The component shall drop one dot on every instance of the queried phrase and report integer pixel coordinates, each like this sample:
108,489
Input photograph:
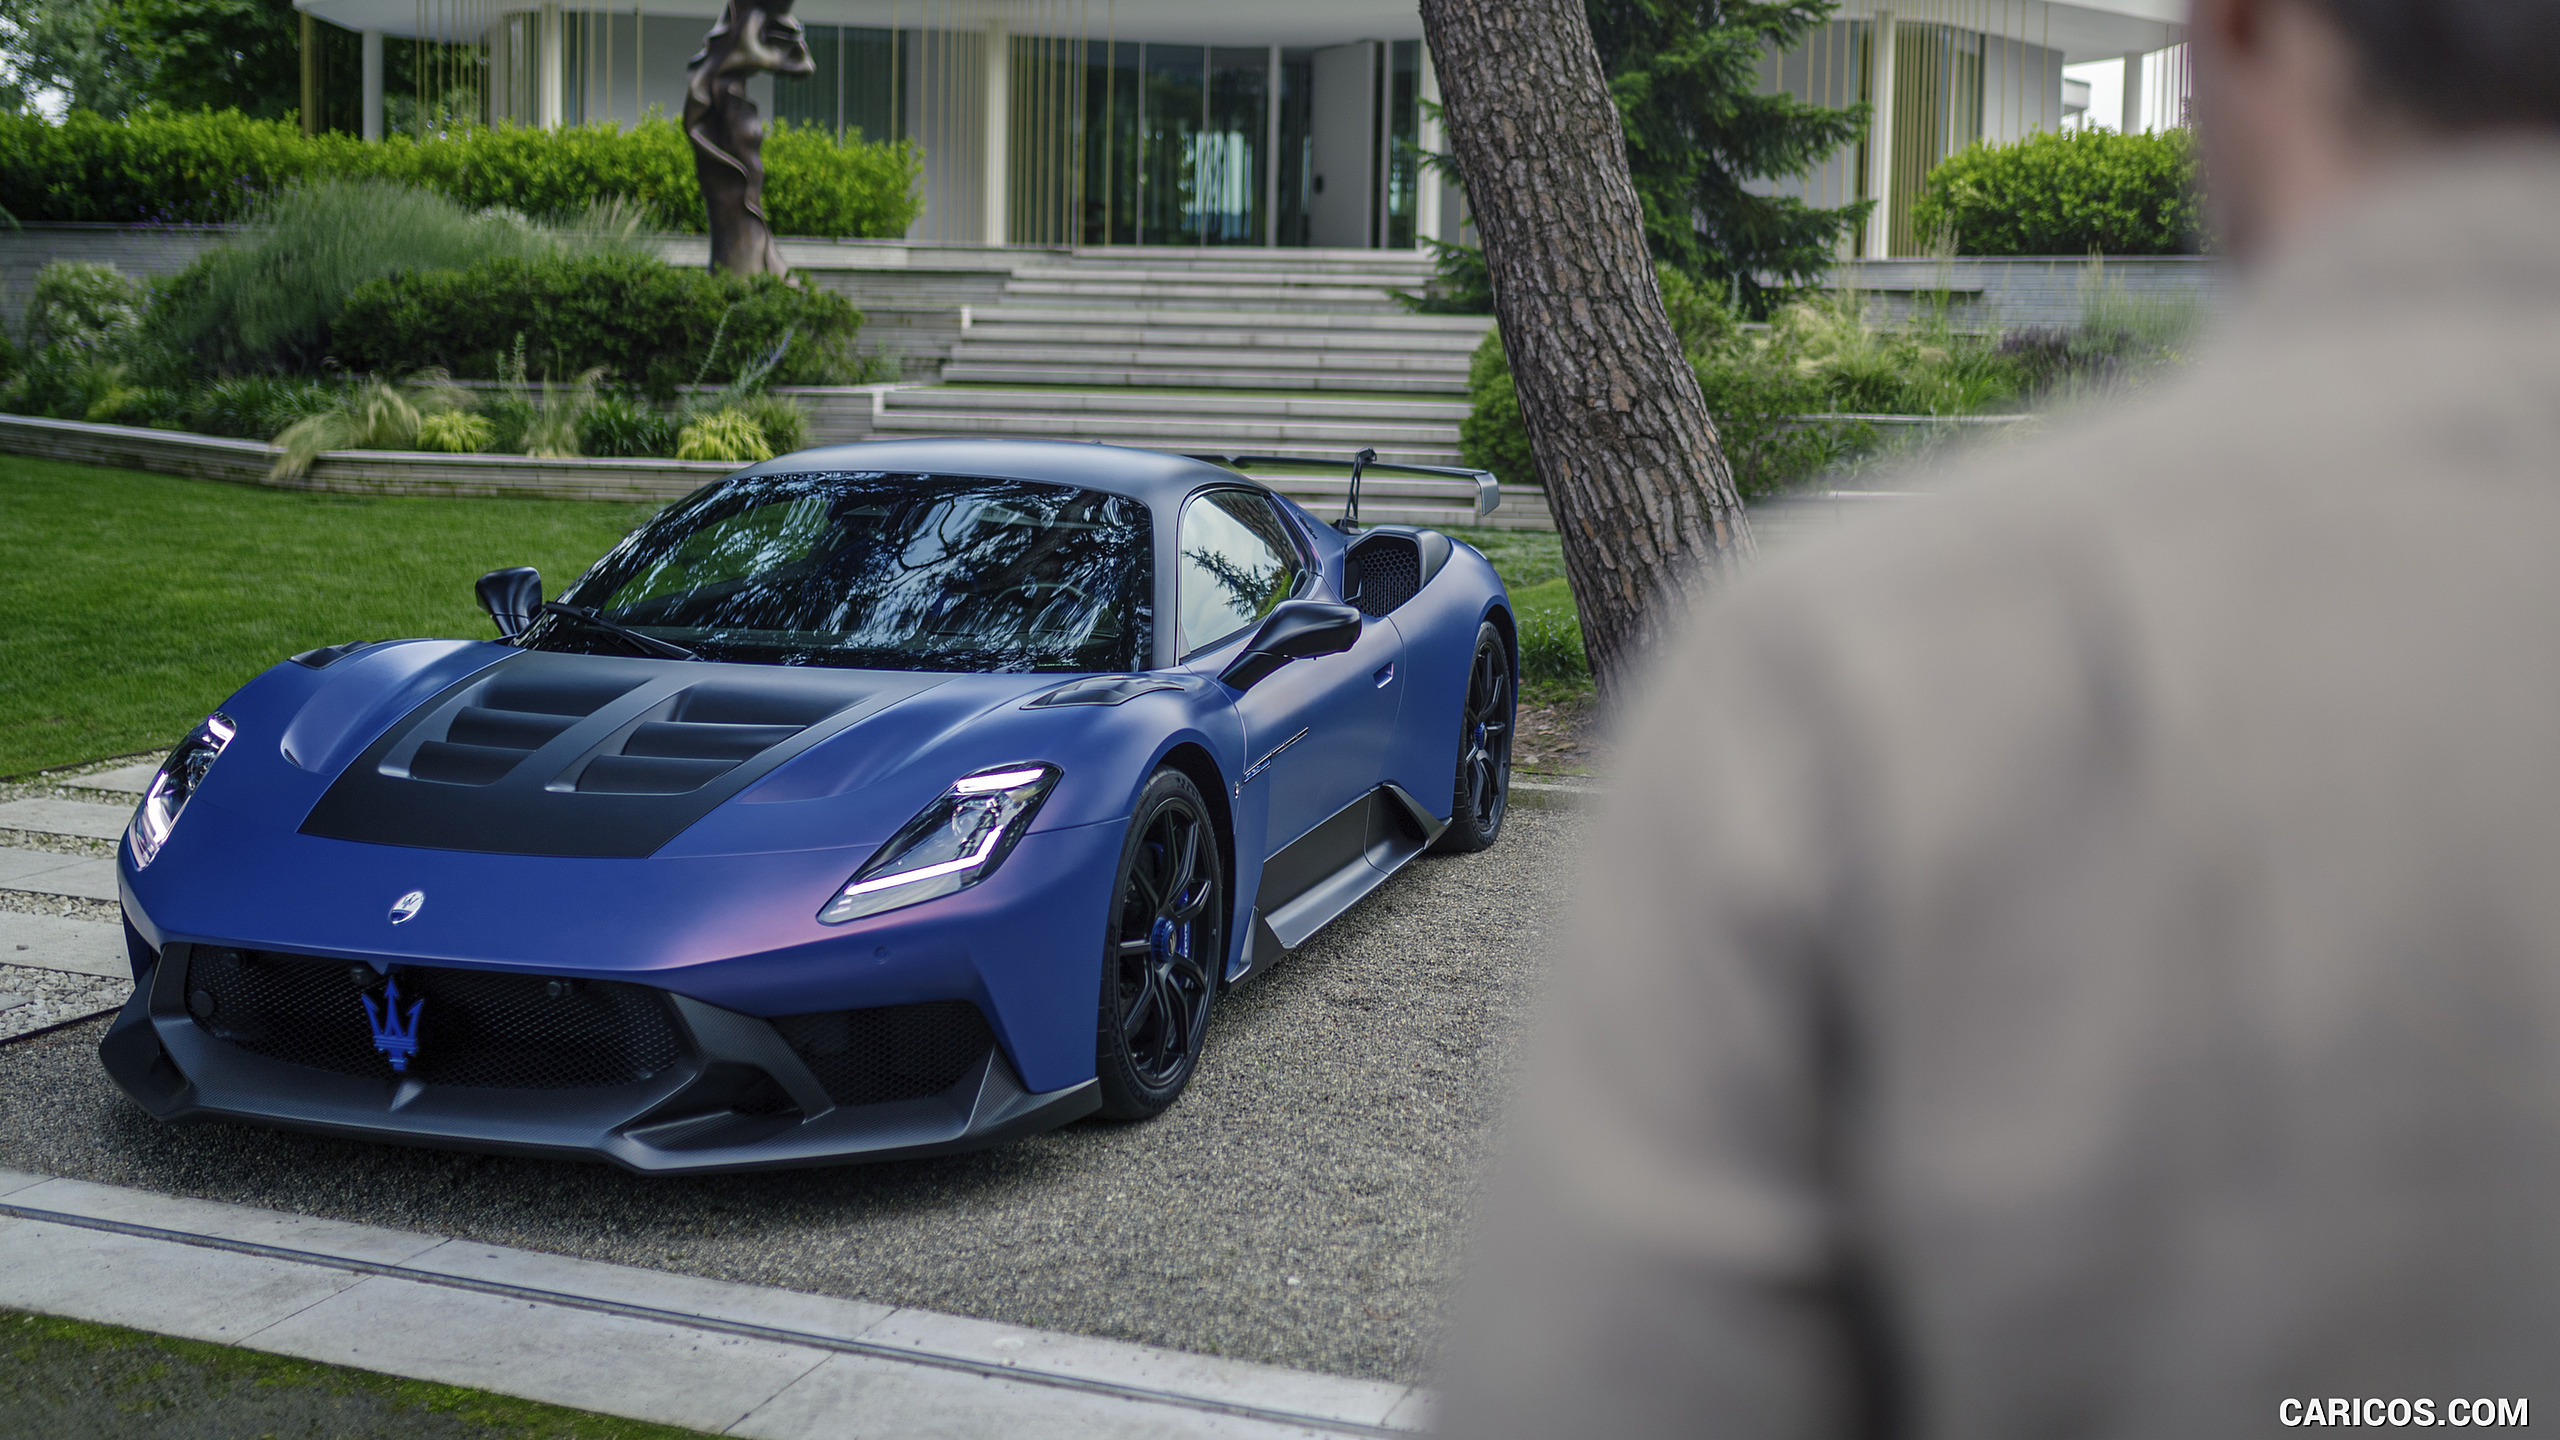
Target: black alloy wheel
1485,721
1167,951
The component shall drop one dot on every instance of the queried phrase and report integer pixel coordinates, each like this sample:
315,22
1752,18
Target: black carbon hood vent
590,755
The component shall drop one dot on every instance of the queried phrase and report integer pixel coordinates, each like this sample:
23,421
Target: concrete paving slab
65,817
1236,1382
17,866
854,1396
51,942
12,1002
560,1330
169,1289
820,1315
125,780
337,1239
1420,1411
81,876
12,1181
589,1361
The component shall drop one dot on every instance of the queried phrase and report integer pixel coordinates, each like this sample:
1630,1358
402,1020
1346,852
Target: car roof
1158,478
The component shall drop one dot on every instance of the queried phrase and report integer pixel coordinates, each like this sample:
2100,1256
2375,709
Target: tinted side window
1238,561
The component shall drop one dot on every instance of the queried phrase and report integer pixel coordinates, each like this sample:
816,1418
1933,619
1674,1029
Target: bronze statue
728,135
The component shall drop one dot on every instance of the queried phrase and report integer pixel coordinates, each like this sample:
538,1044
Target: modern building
1207,122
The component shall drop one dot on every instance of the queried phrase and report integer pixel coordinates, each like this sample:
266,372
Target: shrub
457,433
83,308
2086,192
648,324
252,407
729,435
373,416
625,426
269,302
207,167
783,421
1492,436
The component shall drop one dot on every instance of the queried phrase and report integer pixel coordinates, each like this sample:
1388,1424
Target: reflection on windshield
877,571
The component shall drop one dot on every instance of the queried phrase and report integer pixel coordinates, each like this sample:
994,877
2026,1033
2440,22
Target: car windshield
881,572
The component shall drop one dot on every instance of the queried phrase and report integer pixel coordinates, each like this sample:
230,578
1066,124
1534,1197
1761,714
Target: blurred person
2083,957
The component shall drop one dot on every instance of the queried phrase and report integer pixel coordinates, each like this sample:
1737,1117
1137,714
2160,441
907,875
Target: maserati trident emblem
394,1034
407,906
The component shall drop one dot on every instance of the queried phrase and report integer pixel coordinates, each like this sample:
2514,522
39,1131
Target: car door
1316,730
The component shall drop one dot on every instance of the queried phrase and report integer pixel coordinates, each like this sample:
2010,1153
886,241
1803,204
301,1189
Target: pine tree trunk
1632,466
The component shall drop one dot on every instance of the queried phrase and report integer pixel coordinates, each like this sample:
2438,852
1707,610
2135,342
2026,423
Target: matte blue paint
726,911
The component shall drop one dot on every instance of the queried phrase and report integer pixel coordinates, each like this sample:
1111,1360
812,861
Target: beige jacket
2081,957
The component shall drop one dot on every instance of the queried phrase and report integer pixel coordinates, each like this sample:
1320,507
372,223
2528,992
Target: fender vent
1386,571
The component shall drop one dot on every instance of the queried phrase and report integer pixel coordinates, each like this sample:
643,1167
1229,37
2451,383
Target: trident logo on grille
394,1034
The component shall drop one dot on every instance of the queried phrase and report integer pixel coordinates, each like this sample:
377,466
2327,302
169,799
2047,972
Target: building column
550,60
1271,152
2132,95
998,169
1880,138
310,75
1428,139
372,85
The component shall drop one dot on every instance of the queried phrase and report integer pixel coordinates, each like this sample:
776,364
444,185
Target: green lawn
68,1379
130,604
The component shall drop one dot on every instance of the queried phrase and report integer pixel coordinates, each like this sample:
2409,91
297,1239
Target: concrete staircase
1293,353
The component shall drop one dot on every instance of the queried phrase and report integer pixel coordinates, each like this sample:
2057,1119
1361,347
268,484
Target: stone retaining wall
391,472
2014,293
357,472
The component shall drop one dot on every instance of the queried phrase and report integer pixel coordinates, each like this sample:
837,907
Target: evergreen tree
1685,74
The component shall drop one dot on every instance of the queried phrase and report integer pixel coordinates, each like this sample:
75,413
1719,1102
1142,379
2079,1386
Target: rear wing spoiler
1488,489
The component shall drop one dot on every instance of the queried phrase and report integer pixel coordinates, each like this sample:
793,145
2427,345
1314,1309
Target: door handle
1386,675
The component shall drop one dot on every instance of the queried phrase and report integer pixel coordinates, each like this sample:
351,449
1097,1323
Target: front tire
1485,723
1165,951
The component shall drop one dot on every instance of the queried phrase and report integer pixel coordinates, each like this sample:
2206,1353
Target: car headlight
176,783
954,843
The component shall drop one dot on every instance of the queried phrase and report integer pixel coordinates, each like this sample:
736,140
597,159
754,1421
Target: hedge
652,325
212,167
2087,192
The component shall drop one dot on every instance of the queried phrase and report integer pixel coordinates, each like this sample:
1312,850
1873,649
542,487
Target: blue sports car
873,802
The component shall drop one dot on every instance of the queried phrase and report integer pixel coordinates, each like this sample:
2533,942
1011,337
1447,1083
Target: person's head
2300,100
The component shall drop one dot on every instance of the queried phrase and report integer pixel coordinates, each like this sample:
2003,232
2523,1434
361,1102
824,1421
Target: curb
620,1340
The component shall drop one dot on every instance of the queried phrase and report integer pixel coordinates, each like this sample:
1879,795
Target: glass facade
855,90
1212,145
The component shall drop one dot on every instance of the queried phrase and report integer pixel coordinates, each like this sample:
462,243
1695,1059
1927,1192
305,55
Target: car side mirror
1297,630
511,597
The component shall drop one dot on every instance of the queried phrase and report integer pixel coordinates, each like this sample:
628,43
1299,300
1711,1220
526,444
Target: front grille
892,1052
477,1028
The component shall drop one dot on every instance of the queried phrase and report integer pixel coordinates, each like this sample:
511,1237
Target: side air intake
1389,565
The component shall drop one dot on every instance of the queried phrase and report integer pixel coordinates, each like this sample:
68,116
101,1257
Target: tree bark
1633,469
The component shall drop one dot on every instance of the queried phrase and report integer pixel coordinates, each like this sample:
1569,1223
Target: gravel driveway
1304,1205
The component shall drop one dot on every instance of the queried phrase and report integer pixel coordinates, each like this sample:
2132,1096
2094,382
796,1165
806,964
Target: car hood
542,753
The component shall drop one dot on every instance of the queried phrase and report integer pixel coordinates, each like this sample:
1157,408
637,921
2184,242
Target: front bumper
646,1079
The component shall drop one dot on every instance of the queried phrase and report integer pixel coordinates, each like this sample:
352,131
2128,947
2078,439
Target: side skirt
1356,850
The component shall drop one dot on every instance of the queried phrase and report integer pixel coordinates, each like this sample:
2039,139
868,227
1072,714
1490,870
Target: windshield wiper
646,644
